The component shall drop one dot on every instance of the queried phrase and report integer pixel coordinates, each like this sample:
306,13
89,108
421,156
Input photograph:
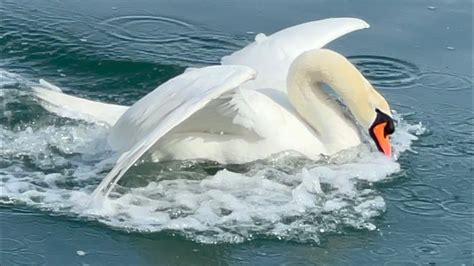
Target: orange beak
381,139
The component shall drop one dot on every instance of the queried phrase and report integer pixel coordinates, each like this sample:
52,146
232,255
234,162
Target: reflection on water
417,210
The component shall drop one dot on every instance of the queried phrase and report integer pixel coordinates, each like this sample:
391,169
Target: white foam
56,167
8,78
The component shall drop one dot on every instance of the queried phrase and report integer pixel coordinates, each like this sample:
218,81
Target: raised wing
149,119
272,56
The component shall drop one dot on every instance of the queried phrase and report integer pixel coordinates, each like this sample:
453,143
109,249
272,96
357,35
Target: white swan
264,99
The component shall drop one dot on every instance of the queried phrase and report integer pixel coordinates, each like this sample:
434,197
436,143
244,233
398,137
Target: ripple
433,169
36,237
422,207
444,81
214,40
400,262
463,228
451,110
27,259
456,151
384,251
465,127
171,40
465,183
427,250
439,240
386,72
147,29
418,192
428,192
460,208
11,245
397,194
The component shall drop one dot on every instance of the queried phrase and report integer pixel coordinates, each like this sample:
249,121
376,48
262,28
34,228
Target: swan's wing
55,101
272,56
166,107
184,94
246,114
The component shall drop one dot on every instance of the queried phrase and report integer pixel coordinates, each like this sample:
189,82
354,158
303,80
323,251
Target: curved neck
306,76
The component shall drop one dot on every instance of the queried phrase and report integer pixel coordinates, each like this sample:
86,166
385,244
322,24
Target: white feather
271,56
218,112
169,105
55,101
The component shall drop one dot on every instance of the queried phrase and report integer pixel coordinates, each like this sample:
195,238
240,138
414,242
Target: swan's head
369,107
377,119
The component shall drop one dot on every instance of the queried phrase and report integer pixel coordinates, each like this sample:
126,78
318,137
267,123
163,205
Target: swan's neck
305,79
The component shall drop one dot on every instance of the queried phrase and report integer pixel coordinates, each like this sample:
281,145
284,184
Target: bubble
385,72
80,253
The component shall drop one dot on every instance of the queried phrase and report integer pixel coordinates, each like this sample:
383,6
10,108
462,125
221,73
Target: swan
263,99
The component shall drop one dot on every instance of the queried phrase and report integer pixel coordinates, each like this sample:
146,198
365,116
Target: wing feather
271,56
249,114
149,119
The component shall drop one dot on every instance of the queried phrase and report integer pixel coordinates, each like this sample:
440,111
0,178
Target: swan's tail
55,101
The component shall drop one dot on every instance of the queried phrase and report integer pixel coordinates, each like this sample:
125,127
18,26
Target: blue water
417,210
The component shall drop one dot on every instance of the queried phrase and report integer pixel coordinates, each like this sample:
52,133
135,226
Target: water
357,208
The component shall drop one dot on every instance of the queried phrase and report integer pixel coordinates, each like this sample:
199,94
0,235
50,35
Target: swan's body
271,129
264,99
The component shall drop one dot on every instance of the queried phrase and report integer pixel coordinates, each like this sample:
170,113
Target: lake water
414,210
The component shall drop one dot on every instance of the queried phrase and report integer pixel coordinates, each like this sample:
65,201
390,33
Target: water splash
55,167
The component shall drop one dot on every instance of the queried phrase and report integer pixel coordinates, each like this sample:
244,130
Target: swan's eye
389,128
384,118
